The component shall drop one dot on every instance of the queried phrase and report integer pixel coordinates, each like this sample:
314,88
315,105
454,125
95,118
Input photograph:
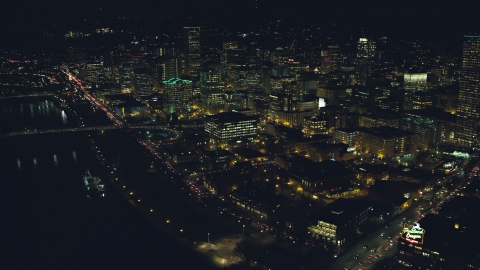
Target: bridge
177,133
45,94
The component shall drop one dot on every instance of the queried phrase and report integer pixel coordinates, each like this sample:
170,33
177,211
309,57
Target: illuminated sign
413,234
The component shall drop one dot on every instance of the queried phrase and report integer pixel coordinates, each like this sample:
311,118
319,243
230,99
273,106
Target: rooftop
176,81
229,117
386,132
340,211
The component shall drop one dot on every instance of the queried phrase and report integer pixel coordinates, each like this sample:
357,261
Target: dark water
48,221
16,114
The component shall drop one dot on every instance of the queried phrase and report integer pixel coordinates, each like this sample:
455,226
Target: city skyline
251,135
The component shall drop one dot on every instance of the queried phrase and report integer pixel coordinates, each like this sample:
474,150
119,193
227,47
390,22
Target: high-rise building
177,95
94,73
331,59
468,111
366,50
212,87
143,82
191,45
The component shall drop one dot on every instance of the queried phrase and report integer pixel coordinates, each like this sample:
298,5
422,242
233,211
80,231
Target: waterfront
52,224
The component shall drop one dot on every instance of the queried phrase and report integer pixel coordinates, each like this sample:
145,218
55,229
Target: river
50,222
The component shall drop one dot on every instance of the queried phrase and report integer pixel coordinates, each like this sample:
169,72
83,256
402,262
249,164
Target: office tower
212,86
177,95
226,46
171,67
248,78
366,48
126,84
143,82
468,111
191,45
94,73
365,60
331,59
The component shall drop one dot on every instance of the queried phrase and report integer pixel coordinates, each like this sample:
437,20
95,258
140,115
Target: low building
425,179
216,159
314,125
385,142
345,135
369,173
339,221
327,180
397,193
260,201
250,155
320,151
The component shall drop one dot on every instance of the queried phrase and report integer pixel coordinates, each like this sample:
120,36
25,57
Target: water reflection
64,117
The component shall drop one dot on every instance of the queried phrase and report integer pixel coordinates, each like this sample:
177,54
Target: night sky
432,19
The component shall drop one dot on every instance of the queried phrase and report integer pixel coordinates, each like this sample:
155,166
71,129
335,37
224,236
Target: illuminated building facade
345,135
468,111
212,87
248,78
170,67
292,118
331,59
421,100
191,43
95,73
385,141
231,126
432,243
177,95
143,82
339,221
126,79
415,81
366,50
428,130
313,125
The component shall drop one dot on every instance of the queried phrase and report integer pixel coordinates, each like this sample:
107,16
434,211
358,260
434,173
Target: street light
243,230
208,235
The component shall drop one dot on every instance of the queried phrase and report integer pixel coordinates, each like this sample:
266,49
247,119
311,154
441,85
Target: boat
94,185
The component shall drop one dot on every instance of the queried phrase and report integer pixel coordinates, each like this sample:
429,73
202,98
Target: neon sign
413,234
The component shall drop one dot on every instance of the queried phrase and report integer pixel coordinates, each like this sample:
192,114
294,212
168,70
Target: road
378,242
41,131
431,201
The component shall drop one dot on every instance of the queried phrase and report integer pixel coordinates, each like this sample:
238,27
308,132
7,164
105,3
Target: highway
94,101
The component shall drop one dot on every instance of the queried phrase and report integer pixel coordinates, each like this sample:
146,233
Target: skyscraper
177,95
212,87
191,43
365,60
468,111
